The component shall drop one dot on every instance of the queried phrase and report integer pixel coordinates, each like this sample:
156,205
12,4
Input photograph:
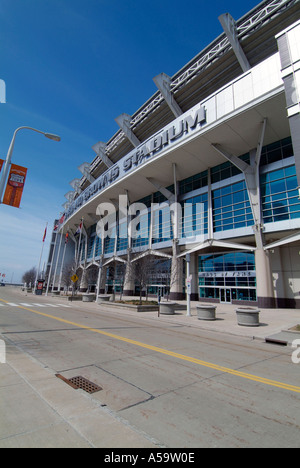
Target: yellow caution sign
74,278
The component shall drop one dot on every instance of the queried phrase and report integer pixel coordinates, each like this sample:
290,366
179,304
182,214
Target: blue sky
70,68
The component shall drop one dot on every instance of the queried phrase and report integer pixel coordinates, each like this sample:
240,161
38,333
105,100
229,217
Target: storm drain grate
82,383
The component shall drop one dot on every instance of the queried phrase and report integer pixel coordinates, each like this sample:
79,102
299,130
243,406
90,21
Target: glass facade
194,216
230,204
227,276
226,170
280,197
193,183
231,207
98,249
109,241
142,228
122,243
162,226
277,151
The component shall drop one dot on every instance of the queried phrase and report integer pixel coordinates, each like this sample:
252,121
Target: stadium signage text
178,130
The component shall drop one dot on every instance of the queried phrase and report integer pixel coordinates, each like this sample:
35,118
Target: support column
129,283
194,274
124,123
176,281
102,284
264,280
265,288
83,283
99,149
230,29
163,82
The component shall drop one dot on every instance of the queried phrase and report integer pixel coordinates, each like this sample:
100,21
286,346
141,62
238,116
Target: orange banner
1,164
15,185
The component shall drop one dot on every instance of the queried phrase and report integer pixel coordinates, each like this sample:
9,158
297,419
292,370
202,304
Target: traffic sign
74,278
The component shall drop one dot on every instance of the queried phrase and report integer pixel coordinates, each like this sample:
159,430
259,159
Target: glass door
225,296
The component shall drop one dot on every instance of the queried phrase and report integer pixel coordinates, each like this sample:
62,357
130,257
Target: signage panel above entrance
178,130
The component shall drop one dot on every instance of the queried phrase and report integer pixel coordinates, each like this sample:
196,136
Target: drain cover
82,383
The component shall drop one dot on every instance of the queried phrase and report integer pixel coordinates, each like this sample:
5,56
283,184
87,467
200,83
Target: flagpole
37,273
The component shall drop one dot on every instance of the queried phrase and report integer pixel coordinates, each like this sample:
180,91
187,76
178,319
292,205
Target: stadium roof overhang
237,133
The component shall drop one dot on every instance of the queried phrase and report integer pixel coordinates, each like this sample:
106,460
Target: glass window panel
275,175
279,197
238,197
278,186
265,190
274,156
291,183
226,190
240,186
290,171
227,200
294,194
287,151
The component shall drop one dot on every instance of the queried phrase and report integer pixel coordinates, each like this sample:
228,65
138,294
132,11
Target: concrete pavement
39,410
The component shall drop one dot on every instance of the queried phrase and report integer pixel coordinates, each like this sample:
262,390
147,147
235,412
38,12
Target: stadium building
204,175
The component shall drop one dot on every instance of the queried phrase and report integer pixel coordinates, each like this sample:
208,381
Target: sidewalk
272,321
39,410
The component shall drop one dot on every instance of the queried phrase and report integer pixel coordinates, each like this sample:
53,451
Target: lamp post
10,151
188,285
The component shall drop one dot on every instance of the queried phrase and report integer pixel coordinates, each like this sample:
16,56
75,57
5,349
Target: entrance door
225,296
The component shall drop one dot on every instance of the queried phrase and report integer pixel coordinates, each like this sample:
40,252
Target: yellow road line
226,370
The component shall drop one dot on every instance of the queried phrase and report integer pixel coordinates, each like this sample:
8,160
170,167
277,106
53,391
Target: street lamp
10,151
188,284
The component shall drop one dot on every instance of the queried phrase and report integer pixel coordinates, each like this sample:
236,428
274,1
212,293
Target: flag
55,227
45,233
1,164
67,238
62,218
15,185
79,229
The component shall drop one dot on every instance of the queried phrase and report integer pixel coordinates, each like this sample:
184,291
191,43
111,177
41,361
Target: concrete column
83,283
103,280
176,286
129,283
194,273
264,280
99,276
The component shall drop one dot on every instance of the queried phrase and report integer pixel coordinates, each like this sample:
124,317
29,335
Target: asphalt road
183,386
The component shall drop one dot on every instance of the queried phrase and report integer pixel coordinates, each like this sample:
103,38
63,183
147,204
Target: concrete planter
248,316
104,298
88,297
206,312
55,293
136,308
167,308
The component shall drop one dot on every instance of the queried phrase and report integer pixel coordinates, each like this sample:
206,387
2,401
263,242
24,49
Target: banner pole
39,266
